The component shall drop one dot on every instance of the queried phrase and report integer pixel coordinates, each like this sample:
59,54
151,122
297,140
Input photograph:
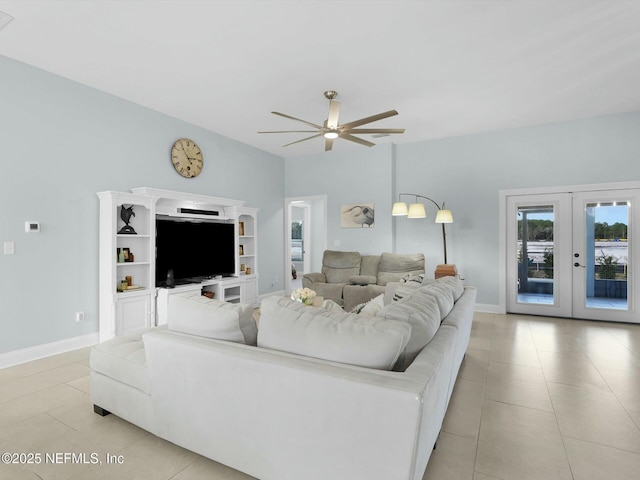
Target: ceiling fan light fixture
332,128
331,135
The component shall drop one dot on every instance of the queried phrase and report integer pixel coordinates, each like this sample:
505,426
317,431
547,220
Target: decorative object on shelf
171,280
125,214
129,280
120,255
242,265
248,272
241,249
303,295
127,254
208,294
417,210
357,216
186,158
332,129
241,229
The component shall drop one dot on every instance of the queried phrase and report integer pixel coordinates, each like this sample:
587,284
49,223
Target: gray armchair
337,269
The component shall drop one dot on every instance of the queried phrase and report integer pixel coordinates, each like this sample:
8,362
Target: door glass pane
535,254
607,257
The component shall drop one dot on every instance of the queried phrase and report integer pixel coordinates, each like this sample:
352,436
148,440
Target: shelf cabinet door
133,314
250,292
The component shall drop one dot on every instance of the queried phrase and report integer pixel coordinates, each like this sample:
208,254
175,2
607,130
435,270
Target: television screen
194,250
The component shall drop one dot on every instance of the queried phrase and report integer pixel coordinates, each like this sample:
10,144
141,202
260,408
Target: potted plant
607,266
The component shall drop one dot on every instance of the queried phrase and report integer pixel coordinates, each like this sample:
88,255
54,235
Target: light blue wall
359,175
61,142
468,173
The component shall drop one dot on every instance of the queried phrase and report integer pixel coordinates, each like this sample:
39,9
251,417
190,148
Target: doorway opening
305,237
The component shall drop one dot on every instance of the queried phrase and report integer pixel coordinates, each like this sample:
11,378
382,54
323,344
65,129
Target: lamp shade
399,208
444,216
416,210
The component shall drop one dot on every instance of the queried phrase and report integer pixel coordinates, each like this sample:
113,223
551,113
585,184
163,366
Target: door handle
578,265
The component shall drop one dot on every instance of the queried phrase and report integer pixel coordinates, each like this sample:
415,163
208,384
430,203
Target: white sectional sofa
312,394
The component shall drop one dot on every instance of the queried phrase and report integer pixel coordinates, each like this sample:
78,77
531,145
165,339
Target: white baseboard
489,308
40,351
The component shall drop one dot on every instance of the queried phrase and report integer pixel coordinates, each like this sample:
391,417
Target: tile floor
536,398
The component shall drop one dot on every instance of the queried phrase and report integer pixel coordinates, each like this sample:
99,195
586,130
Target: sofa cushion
457,287
443,295
394,266
420,310
369,265
197,315
123,359
364,341
338,267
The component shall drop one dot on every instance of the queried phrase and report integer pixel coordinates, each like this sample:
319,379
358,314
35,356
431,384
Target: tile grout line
555,415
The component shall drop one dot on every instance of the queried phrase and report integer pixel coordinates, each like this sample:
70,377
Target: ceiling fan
331,129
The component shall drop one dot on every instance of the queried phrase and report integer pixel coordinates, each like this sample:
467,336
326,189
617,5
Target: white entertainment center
128,252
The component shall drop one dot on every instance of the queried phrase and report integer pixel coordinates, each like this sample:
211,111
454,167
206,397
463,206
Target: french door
573,254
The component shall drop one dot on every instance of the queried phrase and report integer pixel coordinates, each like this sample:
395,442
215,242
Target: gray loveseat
349,278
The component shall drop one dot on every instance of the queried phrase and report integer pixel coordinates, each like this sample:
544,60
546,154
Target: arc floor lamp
417,210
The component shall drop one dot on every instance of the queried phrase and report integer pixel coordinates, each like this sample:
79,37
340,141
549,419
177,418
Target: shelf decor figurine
125,215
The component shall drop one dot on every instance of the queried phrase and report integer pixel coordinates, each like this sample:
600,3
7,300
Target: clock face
186,158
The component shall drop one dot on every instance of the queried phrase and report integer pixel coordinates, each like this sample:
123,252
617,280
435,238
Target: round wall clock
186,158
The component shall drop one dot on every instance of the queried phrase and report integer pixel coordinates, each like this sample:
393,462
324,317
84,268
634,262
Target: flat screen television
195,250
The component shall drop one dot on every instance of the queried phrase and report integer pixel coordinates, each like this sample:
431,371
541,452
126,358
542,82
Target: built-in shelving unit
131,308
127,308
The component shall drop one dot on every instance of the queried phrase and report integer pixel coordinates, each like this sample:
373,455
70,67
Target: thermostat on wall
32,227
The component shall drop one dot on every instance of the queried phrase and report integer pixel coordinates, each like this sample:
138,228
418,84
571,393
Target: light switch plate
9,248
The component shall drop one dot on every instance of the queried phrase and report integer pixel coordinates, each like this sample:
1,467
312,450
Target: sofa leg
101,411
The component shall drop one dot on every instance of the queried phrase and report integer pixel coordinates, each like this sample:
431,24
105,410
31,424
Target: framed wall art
357,215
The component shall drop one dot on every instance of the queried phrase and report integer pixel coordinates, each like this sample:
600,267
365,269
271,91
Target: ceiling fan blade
376,130
290,131
351,138
297,120
328,144
334,113
303,140
373,118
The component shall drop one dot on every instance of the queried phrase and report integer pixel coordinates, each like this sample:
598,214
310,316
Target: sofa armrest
309,278
329,291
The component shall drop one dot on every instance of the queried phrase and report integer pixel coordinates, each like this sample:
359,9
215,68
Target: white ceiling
449,67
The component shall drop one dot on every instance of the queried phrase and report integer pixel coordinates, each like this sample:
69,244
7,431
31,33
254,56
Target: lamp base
446,270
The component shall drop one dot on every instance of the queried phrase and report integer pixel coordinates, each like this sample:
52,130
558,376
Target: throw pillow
331,305
373,306
197,315
413,279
